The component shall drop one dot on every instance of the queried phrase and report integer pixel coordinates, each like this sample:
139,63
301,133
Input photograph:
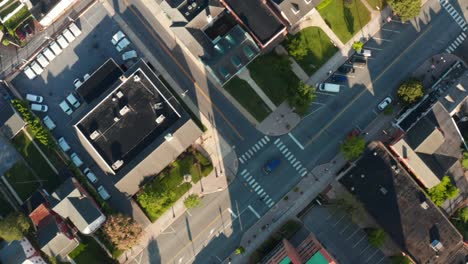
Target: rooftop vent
117,164
160,119
168,137
158,106
375,153
136,78
209,18
116,119
437,245
124,110
94,135
424,205
383,190
119,94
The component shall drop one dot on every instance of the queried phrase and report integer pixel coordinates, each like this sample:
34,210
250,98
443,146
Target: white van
42,60
48,123
55,48
48,54
329,87
62,42
63,144
90,175
65,107
34,98
39,107
74,29
36,68
103,193
365,52
29,73
76,160
73,101
129,55
68,35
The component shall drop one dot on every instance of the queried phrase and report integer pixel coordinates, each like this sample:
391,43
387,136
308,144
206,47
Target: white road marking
287,154
263,194
248,155
383,257
271,204
243,172
382,39
357,230
264,141
371,48
261,191
284,150
390,30
282,147
255,184
296,141
254,212
251,152
244,157
260,143
362,251
295,165
359,241
339,220
267,138
290,158
346,227
297,162
251,181
281,144
277,140
294,160
248,178
257,145
329,94
241,161
303,174
376,250
298,168
232,213
256,189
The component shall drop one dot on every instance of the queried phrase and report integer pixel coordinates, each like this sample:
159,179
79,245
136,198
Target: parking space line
372,48
362,251
253,211
344,229
329,94
382,39
350,236
359,241
376,250
383,257
390,30
339,220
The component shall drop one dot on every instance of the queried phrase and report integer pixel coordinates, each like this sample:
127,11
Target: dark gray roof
394,199
12,252
295,10
69,202
10,121
52,241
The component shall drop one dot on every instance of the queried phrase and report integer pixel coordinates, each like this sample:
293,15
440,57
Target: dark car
346,69
360,60
271,165
338,78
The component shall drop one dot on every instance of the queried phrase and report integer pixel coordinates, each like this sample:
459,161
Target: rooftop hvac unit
158,106
424,205
117,164
160,119
124,110
168,137
119,94
437,245
114,99
116,119
94,135
383,190
136,78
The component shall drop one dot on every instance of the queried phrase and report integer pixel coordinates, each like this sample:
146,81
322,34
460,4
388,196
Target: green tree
192,201
353,147
400,260
39,131
301,98
406,9
297,48
357,46
410,91
443,191
240,250
122,231
465,160
376,236
14,226
5,42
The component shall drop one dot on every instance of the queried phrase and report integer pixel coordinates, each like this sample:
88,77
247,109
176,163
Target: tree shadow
348,17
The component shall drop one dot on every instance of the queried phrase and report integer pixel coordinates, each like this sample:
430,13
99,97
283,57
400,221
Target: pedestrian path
457,42
261,143
455,15
257,188
295,163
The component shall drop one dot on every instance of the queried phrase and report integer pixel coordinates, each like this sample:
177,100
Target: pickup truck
271,165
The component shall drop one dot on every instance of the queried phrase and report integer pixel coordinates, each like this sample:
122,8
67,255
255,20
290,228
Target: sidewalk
280,121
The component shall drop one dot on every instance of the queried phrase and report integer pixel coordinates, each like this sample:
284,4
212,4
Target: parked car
65,107
36,68
385,102
271,165
74,29
346,69
329,87
77,83
129,55
63,144
39,107
42,60
117,37
62,42
86,77
48,54
68,35
29,73
90,175
76,159
55,48
359,60
34,98
365,52
339,78
73,101
103,193
48,123
122,44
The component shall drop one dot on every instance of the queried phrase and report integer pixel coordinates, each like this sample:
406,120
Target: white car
73,101
62,42
90,175
68,35
385,102
103,193
29,72
42,60
34,98
86,77
36,67
74,29
48,123
55,48
129,55
77,83
39,107
48,54
117,37
65,107
63,144
365,52
76,160
122,44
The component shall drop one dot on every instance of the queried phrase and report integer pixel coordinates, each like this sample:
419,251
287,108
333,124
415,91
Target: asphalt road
214,230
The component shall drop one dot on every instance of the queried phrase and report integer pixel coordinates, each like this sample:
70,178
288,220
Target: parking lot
84,55
341,237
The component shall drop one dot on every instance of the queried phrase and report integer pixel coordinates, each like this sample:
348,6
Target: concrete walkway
245,75
295,67
280,122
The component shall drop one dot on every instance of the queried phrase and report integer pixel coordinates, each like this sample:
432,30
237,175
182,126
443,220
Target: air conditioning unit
383,190
168,137
116,119
136,78
117,164
158,106
425,205
119,94
160,119
124,110
94,135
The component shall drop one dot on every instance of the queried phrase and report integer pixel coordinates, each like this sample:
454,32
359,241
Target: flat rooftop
130,117
401,207
257,17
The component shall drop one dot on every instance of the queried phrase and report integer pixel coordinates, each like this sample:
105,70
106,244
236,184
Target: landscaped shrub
324,4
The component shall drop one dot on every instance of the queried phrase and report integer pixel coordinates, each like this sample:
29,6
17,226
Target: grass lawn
36,162
248,98
89,252
13,22
22,180
158,195
319,48
273,74
380,3
344,20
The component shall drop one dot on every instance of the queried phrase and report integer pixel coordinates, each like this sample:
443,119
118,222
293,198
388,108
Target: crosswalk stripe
453,46
457,42
290,158
303,173
263,194
261,191
269,200
284,150
299,168
277,140
248,155
282,147
267,138
248,178
264,141
258,187
281,144
241,161
287,154
260,143
255,184
251,181
251,152
244,157
243,172
460,20
463,34
271,204
294,160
